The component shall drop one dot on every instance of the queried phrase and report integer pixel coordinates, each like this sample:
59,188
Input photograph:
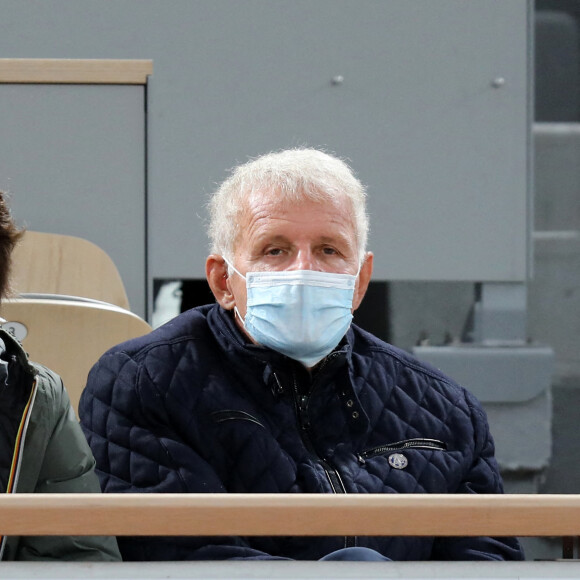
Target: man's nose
304,261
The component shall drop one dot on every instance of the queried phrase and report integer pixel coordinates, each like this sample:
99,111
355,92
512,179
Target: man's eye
274,252
329,251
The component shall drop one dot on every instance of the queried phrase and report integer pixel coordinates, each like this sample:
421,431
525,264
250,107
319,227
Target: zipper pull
303,410
276,386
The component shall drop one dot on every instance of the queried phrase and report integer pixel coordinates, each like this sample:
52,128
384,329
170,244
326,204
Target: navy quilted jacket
193,407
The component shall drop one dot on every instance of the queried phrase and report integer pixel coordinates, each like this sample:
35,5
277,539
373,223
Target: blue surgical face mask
301,313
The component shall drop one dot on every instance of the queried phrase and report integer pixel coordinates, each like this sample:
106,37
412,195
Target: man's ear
364,278
216,272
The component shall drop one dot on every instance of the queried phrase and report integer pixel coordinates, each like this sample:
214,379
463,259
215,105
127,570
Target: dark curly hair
9,236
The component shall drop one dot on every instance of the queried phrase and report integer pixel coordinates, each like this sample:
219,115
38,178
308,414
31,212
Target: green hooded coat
43,450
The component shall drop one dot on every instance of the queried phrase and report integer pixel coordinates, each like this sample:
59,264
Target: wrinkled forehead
263,203
280,200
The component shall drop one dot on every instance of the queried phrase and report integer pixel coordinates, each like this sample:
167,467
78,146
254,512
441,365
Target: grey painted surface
432,313
443,151
437,312
522,433
554,292
554,300
495,374
290,570
557,176
73,160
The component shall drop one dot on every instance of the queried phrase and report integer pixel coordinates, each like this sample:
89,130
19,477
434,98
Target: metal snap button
398,461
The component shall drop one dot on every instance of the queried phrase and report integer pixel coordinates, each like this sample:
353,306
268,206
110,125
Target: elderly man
272,389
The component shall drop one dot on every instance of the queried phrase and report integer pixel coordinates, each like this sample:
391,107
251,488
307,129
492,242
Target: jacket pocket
234,415
418,443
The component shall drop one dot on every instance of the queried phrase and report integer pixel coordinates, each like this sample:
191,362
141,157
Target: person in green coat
42,447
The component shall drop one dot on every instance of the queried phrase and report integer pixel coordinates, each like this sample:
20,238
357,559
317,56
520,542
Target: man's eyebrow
338,238
280,238
272,238
332,238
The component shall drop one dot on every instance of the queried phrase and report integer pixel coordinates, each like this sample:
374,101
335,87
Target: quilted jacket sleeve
482,477
138,450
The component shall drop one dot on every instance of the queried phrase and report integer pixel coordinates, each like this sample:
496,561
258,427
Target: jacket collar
12,350
231,337
279,373
276,370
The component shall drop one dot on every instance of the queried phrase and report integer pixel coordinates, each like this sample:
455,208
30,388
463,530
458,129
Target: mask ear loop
236,311
233,268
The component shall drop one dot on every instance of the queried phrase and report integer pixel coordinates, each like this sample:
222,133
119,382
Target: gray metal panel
247,570
443,150
73,159
444,153
557,176
508,374
554,299
522,434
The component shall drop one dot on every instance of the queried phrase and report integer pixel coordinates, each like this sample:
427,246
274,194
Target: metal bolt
337,80
498,82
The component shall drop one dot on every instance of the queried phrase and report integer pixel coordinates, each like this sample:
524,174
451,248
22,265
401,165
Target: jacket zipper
331,473
418,443
234,414
18,452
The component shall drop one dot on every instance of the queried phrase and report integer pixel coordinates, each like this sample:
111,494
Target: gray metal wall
432,108
72,157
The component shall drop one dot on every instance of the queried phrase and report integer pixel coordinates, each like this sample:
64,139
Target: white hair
294,174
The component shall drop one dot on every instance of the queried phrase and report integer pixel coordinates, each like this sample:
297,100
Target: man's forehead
260,216
277,200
